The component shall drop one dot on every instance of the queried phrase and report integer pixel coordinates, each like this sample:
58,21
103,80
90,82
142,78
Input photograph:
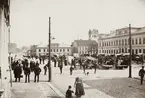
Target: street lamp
130,46
49,62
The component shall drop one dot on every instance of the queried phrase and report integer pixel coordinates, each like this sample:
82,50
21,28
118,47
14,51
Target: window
119,42
128,50
116,42
39,50
67,50
136,41
116,51
122,50
132,41
139,50
51,50
139,40
125,50
63,50
132,51
136,51
143,40
125,41
143,50
60,50
122,41
54,50
112,43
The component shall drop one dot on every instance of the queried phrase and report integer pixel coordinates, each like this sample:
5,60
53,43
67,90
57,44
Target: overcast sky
71,19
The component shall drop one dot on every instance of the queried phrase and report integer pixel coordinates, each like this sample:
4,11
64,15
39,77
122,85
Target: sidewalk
33,90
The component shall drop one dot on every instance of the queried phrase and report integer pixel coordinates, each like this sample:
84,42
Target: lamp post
49,68
130,48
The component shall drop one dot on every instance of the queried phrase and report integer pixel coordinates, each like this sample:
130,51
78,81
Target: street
103,84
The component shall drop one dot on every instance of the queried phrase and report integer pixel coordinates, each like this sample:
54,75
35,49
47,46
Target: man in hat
141,74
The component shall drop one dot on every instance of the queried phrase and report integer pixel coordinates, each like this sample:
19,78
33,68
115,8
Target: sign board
12,47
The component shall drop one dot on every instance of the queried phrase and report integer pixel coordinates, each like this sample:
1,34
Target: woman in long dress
79,88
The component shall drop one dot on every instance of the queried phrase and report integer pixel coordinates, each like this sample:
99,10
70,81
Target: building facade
55,49
4,40
84,47
118,41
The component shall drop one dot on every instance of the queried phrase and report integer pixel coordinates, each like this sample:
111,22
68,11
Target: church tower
93,35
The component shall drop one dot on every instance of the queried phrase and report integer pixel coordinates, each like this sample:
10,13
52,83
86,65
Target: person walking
95,67
60,65
27,71
54,62
141,74
45,69
17,72
84,66
71,70
79,88
65,62
37,71
40,59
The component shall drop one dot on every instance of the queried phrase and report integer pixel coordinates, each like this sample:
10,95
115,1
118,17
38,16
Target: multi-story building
4,40
84,47
56,49
118,41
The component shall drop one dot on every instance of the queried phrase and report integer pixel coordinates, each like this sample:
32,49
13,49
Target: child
71,70
69,92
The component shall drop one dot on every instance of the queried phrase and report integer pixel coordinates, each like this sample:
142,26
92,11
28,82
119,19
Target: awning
91,58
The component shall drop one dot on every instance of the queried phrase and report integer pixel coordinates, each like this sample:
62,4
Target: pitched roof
85,42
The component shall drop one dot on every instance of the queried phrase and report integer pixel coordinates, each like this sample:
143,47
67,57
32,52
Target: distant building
84,47
55,49
93,35
118,41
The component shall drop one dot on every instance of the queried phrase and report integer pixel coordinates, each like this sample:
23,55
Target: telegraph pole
130,47
49,62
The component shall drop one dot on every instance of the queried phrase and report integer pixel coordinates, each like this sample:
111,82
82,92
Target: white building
118,41
4,33
56,49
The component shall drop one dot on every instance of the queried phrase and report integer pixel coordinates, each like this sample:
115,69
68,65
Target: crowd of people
29,65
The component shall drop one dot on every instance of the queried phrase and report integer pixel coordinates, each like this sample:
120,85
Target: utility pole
49,68
130,47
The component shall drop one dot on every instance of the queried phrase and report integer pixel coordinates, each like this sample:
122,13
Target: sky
71,19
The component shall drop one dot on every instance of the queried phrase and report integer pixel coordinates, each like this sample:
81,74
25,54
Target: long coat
79,91
17,71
